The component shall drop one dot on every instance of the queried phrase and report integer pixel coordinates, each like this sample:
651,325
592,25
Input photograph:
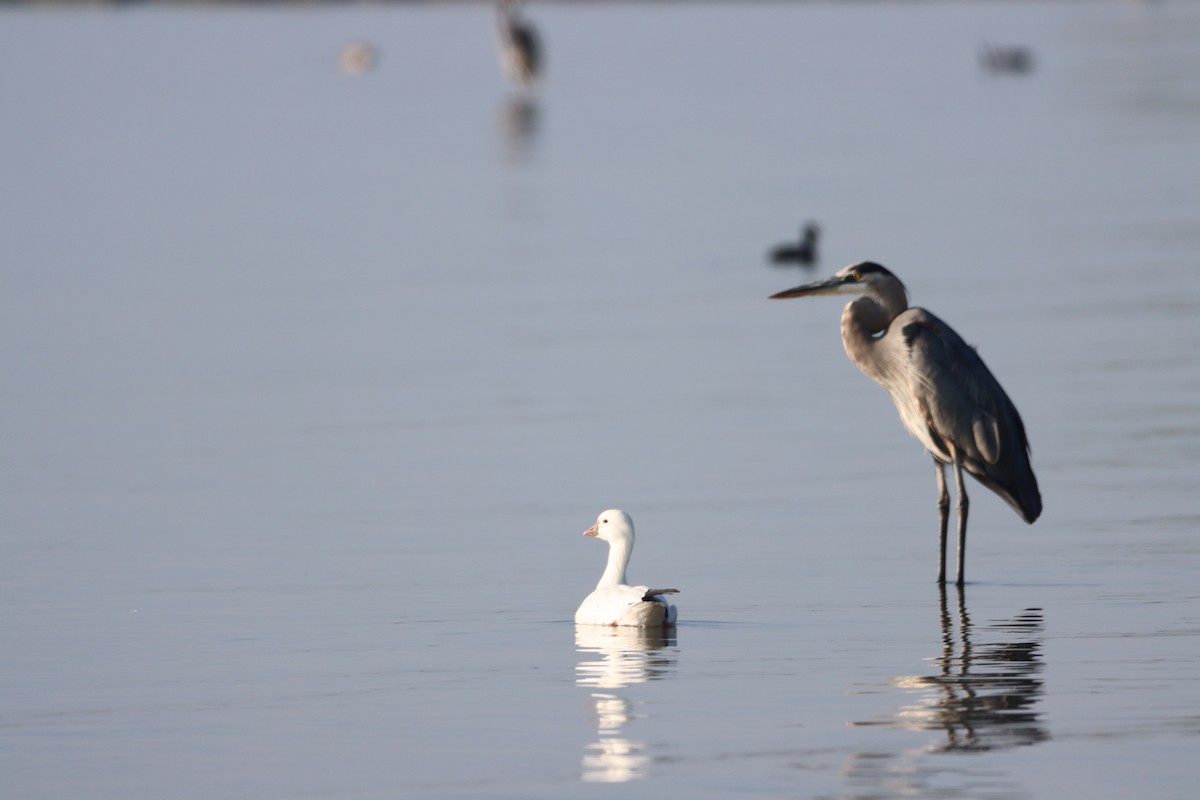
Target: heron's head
865,278
612,526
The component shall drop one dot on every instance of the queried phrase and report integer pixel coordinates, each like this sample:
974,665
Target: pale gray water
312,381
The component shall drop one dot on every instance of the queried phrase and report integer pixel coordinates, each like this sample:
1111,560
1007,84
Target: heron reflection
518,123
984,695
628,656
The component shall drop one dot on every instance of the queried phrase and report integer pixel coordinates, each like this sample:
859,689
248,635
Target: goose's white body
615,602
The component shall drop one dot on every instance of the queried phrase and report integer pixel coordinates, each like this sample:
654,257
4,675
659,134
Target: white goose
615,602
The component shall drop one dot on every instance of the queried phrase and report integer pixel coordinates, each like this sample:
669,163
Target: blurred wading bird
945,394
520,45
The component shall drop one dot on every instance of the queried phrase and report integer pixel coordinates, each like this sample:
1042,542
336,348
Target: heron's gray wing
964,405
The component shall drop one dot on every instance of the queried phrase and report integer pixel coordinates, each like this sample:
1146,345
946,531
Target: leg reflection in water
983,696
985,693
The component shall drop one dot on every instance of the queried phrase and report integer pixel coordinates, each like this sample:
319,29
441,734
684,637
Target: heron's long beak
834,285
590,531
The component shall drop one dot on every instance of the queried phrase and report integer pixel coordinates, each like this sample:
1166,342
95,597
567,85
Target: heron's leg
964,503
943,504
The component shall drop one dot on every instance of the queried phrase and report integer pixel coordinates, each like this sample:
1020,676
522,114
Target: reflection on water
983,697
987,686
518,125
629,656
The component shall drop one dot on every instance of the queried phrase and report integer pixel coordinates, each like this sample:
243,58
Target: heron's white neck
862,320
618,559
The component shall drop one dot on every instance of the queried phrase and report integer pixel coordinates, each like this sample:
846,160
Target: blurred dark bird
1012,59
520,45
804,253
946,396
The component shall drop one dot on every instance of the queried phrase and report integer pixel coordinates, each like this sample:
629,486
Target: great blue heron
804,253
520,45
945,394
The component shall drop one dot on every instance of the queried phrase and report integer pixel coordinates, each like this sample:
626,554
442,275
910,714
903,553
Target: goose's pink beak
590,531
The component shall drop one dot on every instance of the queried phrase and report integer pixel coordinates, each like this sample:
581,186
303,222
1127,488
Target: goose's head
613,526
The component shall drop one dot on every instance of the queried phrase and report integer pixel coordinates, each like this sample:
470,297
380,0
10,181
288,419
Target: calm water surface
312,382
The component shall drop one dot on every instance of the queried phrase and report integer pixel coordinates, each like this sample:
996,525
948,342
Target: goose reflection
985,693
628,656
